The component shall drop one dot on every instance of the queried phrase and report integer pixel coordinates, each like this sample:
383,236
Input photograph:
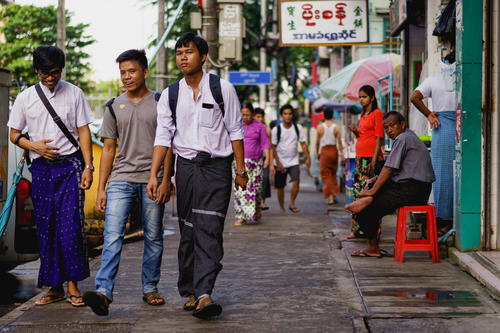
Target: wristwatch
242,174
91,167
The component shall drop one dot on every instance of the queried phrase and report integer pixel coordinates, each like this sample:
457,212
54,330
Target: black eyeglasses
46,74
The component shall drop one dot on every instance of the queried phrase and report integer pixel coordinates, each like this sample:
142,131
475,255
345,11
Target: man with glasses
61,149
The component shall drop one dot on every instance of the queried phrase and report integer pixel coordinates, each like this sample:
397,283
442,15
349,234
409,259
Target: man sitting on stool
405,180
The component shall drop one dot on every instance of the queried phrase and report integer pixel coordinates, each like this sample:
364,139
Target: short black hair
328,113
399,117
189,37
48,57
247,105
134,54
259,111
286,107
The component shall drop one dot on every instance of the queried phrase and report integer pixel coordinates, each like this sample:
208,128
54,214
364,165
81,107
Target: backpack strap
157,96
297,131
173,96
110,107
216,89
278,134
55,117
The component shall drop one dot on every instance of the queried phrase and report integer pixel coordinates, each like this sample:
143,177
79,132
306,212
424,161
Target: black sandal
208,311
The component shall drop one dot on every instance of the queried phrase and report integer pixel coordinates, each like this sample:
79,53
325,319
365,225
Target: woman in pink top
256,142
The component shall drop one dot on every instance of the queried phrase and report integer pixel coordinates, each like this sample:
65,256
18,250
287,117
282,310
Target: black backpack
111,101
296,132
215,88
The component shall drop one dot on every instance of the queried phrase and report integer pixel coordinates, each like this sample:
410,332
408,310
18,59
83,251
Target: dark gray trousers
203,193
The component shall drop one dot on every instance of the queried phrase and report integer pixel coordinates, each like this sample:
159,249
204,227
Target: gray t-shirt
410,159
135,129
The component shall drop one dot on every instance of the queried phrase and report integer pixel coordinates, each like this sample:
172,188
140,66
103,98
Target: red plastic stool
430,244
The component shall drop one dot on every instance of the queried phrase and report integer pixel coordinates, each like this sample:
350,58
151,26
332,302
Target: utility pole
209,31
263,55
274,90
61,30
161,60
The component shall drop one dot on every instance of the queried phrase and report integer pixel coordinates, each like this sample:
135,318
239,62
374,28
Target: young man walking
57,116
131,118
285,139
199,117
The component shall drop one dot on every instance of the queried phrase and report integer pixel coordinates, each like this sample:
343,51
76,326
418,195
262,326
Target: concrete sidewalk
291,273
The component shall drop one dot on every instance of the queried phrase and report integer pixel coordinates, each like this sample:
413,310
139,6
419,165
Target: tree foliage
27,27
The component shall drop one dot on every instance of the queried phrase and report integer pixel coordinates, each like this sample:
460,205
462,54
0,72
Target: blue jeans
120,196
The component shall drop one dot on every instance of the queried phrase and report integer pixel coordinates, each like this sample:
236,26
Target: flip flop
294,210
264,208
71,298
239,224
363,254
208,311
97,302
386,253
52,298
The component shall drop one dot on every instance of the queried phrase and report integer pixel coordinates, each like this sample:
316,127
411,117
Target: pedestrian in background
370,138
131,119
256,144
61,150
259,115
442,119
285,140
327,141
199,118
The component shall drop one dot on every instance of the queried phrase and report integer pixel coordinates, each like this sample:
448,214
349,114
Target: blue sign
249,78
313,93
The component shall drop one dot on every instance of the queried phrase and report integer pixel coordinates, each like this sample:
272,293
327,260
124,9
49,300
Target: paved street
288,274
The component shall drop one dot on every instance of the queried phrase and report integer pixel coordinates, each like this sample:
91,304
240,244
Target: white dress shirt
30,112
200,129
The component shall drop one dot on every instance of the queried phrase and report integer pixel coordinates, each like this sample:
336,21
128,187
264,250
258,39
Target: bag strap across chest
55,117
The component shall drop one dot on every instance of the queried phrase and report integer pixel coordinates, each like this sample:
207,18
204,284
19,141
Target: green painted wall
468,149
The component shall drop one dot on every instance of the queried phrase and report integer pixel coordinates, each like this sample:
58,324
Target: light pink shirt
68,102
200,129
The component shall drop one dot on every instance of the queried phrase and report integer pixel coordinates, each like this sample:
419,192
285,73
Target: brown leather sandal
152,298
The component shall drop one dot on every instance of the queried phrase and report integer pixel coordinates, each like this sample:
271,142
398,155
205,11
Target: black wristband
18,138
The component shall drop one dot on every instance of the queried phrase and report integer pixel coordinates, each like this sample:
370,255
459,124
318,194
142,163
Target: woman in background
370,137
328,155
247,201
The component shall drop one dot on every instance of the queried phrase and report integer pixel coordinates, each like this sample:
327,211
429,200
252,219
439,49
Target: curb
467,263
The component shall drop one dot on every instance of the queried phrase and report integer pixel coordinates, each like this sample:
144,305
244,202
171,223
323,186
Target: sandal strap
153,296
75,296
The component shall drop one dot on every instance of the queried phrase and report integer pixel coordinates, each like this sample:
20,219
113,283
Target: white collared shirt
200,129
70,105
